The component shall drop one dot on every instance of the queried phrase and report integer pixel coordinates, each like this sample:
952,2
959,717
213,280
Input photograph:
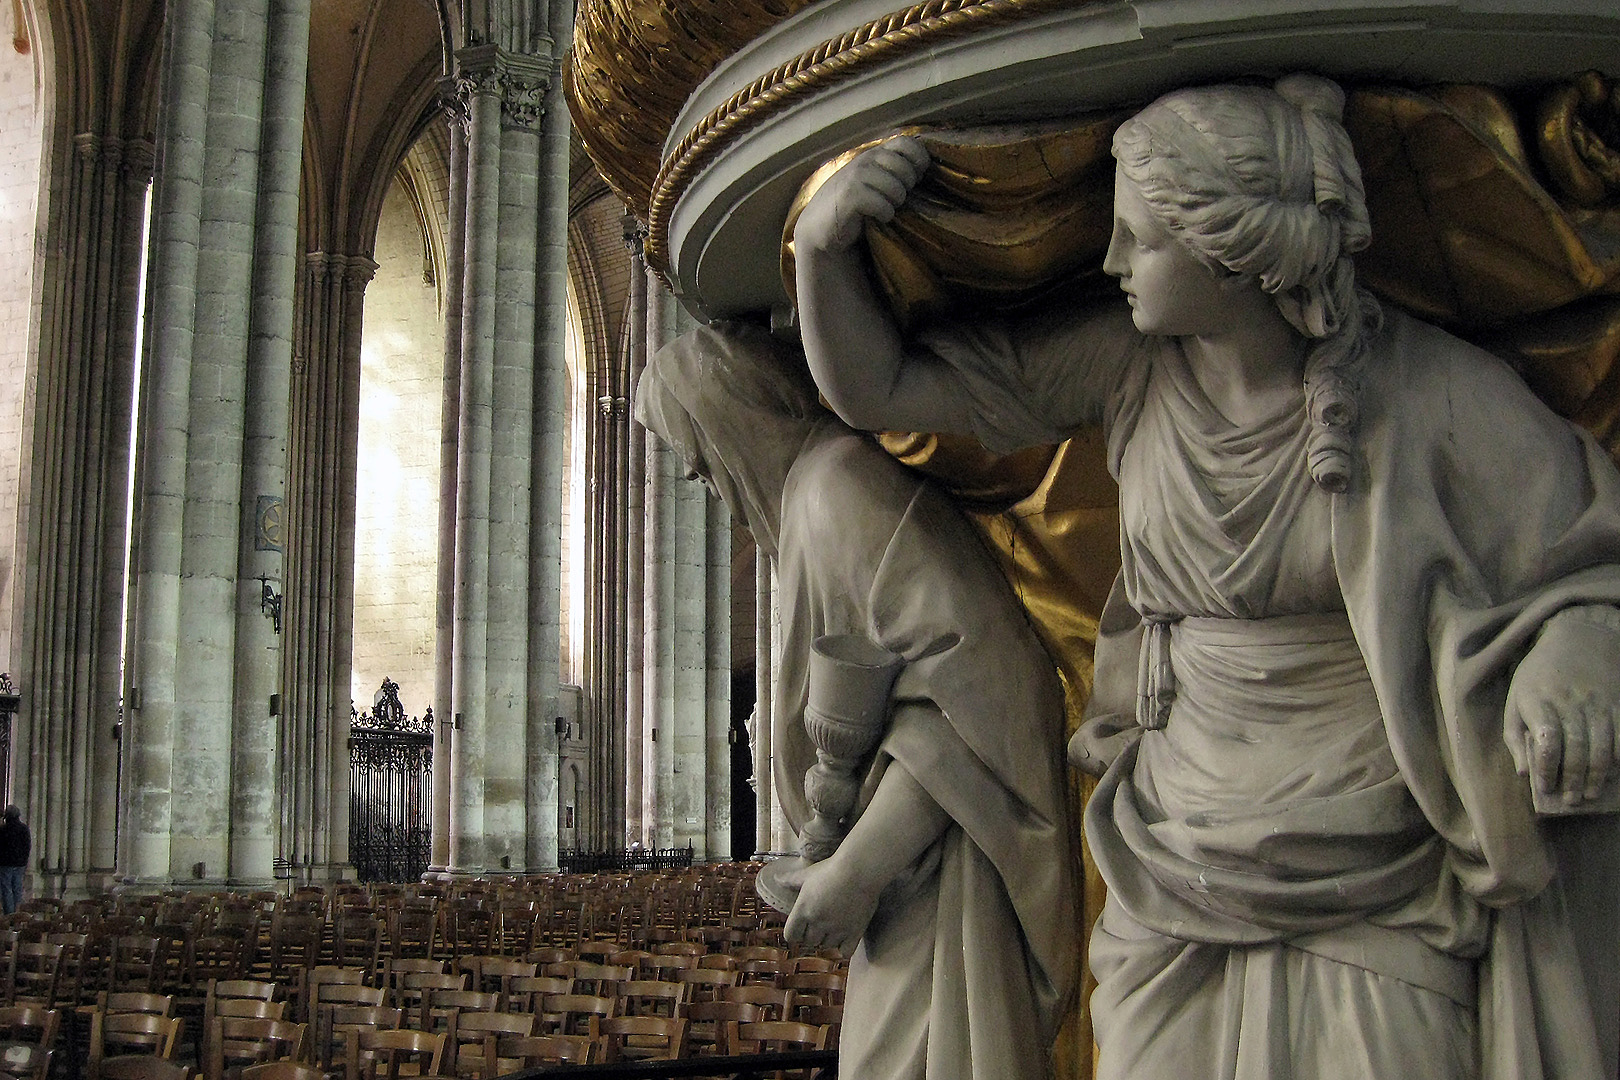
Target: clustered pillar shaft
505,403
684,713
449,456
764,702
66,738
264,473
205,661
319,600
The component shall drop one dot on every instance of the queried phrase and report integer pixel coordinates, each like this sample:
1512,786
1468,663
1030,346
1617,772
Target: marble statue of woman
957,877
1366,623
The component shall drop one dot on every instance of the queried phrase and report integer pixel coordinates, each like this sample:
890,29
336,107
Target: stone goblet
846,714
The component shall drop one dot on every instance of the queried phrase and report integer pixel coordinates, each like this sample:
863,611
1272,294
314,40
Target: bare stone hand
870,188
833,908
1562,705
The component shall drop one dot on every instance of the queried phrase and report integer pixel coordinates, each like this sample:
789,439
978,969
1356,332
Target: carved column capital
635,235
520,81
453,95
140,158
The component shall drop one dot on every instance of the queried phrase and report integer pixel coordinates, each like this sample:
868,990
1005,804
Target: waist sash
1268,807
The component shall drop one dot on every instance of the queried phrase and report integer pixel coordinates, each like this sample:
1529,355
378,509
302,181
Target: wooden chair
681,948
665,966
33,1030
704,984
249,1009
467,1032
134,1001
396,968
76,970
525,992
469,928
589,978
129,1034
357,940
415,988
437,1005
776,1036
389,1055
648,997
413,929
343,1023
718,961
775,1002
597,952
550,954
506,1054
494,974
574,1014
320,982
830,1017
221,994
281,1070
816,987
295,945
33,973
235,1042
142,1067
811,963
176,938
214,956
706,1025
135,964
515,922
762,972
642,1038
741,953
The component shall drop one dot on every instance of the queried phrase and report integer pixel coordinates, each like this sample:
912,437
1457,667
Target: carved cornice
519,81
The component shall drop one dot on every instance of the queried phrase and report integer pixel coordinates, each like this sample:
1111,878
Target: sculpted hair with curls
1263,182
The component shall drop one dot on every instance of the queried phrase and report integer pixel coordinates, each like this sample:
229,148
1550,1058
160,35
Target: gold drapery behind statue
1496,218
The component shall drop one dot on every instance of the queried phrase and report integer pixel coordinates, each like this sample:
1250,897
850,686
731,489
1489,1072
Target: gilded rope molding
828,63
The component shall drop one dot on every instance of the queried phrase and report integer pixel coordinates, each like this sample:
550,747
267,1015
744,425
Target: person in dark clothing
14,844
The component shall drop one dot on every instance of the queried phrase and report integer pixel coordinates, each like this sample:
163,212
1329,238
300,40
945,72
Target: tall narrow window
23,109
396,534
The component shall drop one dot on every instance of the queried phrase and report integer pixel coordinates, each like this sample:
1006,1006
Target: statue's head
1262,182
737,406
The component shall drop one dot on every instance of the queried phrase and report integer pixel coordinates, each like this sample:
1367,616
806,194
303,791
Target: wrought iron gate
390,790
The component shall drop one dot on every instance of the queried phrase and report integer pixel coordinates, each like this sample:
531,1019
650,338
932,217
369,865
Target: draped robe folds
1320,858
967,966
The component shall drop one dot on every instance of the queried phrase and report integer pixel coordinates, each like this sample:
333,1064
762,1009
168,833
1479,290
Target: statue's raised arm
850,339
